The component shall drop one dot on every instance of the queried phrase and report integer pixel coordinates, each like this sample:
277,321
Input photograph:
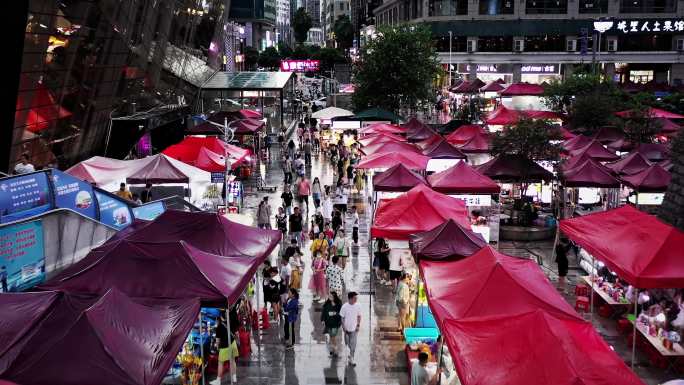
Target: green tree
396,69
638,126
329,57
301,24
269,58
251,57
672,209
301,51
344,32
285,50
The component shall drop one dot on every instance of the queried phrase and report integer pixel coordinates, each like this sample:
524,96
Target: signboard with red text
300,65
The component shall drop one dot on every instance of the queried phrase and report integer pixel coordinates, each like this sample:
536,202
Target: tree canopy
397,68
269,58
344,32
531,139
301,24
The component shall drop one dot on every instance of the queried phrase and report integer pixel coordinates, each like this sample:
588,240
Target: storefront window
644,43
640,76
458,44
546,43
495,44
593,6
448,7
533,7
648,6
497,7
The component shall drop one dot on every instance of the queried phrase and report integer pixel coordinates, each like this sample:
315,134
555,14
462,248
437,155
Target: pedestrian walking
402,298
419,375
226,352
146,193
355,226
287,198
264,214
330,316
562,260
319,243
341,247
287,169
316,192
335,276
336,221
291,149
395,268
307,151
271,288
327,206
382,254
281,222
303,191
296,225
291,311
351,323
318,283
297,270
359,179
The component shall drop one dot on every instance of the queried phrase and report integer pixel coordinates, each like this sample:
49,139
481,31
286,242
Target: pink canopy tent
386,160
621,145
654,152
161,169
423,144
381,128
380,138
608,134
503,116
640,248
596,151
462,179
420,133
652,179
522,89
443,150
576,143
653,113
544,349
420,209
109,339
630,164
478,144
250,114
412,125
446,241
513,168
465,133
190,150
397,178
383,148
575,161
493,86
468,87
589,174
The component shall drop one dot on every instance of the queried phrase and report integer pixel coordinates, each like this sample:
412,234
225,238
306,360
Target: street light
600,26
450,40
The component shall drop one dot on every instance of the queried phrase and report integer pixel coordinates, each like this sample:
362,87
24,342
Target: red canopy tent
513,168
654,152
383,148
596,151
666,165
589,174
631,164
380,138
493,86
467,87
462,179
522,89
159,170
644,251
412,125
652,179
386,160
210,161
419,209
423,144
608,134
397,178
421,133
574,161
381,128
465,133
503,116
189,150
576,143
446,241
478,144
652,113
621,145
250,114
543,349
443,150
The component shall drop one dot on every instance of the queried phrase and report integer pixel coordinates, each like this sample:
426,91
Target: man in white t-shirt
24,166
351,322
395,268
285,275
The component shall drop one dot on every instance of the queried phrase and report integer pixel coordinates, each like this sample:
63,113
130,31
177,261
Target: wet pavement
380,356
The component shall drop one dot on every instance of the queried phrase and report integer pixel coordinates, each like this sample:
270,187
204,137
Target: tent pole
561,211
231,360
258,308
634,332
440,362
591,293
201,345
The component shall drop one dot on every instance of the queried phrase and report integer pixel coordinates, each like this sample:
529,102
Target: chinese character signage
22,257
114,211
24,196
74,194
475,200
508,68
628,26
300,65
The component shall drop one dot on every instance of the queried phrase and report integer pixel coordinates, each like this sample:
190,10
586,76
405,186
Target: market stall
391,183
423,144
380,138
381,128
442,156
651,183
465,133
503,116
632,163
383,161
391,146
513,169
596,151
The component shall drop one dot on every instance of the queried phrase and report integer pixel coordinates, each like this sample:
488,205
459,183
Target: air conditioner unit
679,44
571,45
518,45
472,46
612,45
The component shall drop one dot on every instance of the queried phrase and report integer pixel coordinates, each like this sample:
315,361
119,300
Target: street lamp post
450,41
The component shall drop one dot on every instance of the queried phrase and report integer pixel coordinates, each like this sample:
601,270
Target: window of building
648,6
643,43
497,7
448,7
458,44
593,6
495,44
546,43
640,76
533,7
341,6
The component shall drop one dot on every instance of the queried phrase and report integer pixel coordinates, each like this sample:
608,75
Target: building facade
535,40
283,26
313,8
315,37
333,10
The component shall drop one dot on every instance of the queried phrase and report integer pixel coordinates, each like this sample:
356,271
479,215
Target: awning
465,133
589,174
397,178
387,160
446,241
652,179
522,89
462,179
443,150
595,150
514,168
631,164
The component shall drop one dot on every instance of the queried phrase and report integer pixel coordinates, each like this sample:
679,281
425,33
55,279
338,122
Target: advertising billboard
149,211
300,65
22,258
114,211
23,196
74,194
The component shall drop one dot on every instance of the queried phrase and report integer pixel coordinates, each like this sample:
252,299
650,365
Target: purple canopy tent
397,178
589,174
443,150
446,241
631,164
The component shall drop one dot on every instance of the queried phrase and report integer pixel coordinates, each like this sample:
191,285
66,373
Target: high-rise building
333,10
313,8
283,22
535,40
361,15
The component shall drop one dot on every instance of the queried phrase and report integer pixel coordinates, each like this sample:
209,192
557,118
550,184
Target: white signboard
475,200
648,198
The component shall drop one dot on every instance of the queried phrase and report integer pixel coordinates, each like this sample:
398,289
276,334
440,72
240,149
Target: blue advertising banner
72,193
149,211
114,211
23,196
22,258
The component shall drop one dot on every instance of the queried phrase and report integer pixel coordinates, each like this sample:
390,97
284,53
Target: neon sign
300,65
641,26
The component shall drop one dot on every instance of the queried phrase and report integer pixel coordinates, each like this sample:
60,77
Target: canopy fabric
640,248
666,165
631,164
381,128
387,160
421,133
652,113
522,89
465,133
210,161
386,147
161,169
380,138
493,86
622,145
397,178
446,241
420,209
413,124
189,151
652,179
595,150
589,174
654,152
542,350
514,168
608,134
566,134
443,150
667,126
110,340
503,116
330,113
576,143
423,144
574,162
450,126
467,87
462,179
247,126
378,114
250,114
478,144
489,283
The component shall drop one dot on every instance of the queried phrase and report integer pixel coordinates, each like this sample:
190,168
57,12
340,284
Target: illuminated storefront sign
640,26
300,65
508,68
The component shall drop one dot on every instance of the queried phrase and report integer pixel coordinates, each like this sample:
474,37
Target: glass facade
534,7
497,7
448,7
648,6
593,6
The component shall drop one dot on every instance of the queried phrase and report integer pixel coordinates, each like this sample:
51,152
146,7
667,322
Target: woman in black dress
383,261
